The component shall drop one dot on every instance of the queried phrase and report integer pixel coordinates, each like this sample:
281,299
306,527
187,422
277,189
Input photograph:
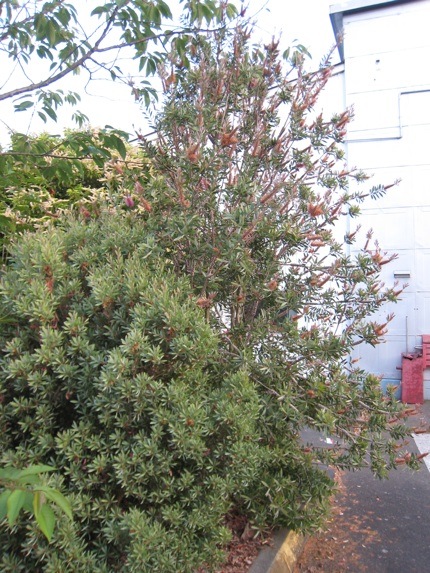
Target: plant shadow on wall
165,356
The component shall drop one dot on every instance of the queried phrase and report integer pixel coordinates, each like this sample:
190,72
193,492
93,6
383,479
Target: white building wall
387,81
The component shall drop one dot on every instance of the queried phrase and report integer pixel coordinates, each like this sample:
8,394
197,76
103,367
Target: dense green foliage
111,373
167,355
46,175
47,42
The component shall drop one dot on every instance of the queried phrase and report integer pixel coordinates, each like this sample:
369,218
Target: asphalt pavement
379,526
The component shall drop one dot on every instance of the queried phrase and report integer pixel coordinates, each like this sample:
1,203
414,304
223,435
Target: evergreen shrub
109,372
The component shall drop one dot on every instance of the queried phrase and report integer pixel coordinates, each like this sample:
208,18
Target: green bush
110,373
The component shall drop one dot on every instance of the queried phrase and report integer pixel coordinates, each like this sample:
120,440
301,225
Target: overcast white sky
305,21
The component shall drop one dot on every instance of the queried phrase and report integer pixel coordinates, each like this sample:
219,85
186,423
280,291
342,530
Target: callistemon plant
252,208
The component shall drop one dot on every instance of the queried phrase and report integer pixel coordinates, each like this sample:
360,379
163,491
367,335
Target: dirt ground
337,549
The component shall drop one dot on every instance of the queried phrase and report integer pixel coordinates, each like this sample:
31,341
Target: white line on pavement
423,444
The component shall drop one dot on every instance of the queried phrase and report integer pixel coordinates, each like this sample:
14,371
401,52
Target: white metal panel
405,193
371,154
372,113
422,280
367,132
387,29
384,358
415,145
404,321
332,100
387,57
392,70
404,262
390,114
411,150
423,313
393,228
413,189
422,236
415,108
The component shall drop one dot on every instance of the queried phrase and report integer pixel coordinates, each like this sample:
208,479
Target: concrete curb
282,557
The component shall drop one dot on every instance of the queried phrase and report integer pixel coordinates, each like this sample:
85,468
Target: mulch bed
243,548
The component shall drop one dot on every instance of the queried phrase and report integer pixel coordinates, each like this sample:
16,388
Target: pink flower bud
138,188
128,200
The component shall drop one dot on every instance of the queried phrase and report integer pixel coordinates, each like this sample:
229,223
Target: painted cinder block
412,379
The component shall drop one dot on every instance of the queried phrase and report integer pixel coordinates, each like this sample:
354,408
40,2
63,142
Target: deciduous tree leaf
35,470
4,496
14,504
45,519
58,498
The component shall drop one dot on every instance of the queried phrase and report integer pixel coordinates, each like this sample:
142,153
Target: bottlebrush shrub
111,374
253,210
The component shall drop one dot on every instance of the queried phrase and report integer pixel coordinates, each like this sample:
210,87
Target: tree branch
70,68
50,9
96,50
